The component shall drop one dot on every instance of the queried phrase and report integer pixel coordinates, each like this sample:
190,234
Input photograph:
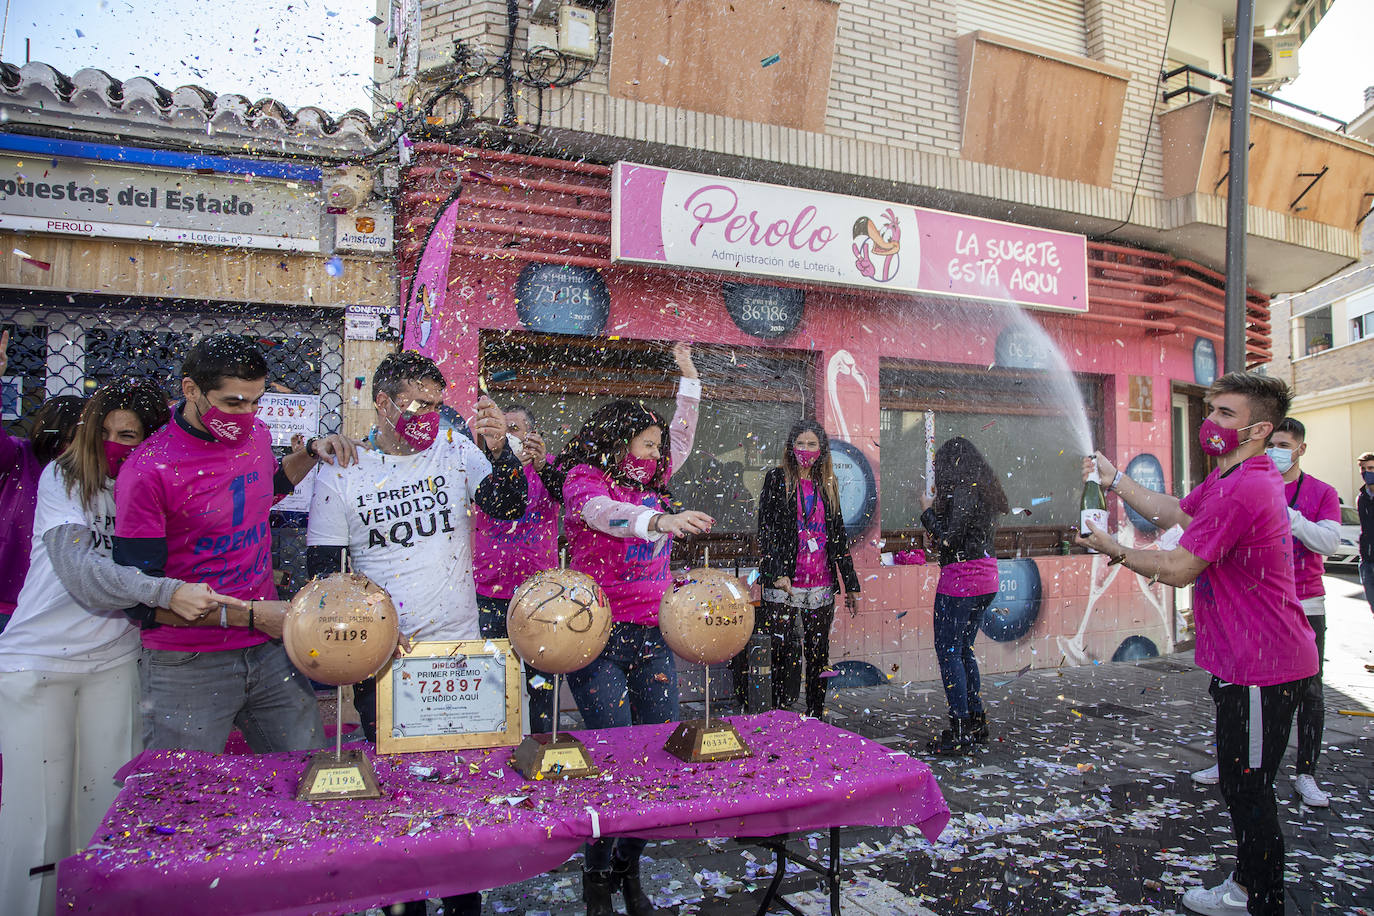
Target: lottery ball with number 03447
559,620
341,629
708,619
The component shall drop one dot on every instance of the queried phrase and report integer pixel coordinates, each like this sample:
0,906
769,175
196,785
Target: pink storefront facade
540,305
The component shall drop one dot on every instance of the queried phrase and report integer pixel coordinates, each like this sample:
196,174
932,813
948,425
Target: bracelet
251,625
224,615
653,523
1154,580
310,447
1116,480
1119,558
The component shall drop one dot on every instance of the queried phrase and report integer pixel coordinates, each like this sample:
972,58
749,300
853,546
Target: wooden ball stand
699,741
336,774
549,757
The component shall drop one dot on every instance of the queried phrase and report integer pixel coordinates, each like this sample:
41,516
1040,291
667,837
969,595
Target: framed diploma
448,696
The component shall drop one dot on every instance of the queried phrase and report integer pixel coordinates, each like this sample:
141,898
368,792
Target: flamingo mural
842,363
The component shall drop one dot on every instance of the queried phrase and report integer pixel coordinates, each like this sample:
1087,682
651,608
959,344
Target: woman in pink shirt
506,553
961,518
620,523
804,556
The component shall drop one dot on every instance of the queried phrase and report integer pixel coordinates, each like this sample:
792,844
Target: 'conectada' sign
681,219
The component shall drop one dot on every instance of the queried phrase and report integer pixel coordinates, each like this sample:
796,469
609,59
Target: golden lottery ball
709,618
559,620
341,629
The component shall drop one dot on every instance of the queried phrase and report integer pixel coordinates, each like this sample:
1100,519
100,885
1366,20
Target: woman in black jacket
804,557
961,518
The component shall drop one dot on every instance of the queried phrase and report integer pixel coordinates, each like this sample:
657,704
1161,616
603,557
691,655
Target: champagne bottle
1092,507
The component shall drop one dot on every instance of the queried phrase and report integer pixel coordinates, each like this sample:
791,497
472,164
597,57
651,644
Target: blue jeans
192,700
632,682
1367,580
956,625
492,619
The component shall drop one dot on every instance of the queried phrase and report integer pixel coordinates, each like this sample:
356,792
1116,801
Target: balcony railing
1188,71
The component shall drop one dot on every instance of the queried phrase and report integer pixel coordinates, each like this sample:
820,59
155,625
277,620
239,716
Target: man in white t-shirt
402,514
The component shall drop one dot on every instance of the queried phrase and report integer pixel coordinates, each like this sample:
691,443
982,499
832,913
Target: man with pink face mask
1252,634
192,503
402,515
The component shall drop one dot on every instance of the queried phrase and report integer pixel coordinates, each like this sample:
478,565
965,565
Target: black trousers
1253,726
779,620
1312,705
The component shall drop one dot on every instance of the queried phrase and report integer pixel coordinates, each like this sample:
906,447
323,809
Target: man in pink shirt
1252,634
192,503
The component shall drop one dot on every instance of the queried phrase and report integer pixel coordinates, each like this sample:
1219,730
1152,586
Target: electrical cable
1149,130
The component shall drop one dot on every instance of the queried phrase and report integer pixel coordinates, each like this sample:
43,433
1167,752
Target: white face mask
1283,458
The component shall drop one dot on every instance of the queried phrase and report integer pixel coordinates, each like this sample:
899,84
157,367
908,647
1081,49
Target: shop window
1014,419
750,400
1314,331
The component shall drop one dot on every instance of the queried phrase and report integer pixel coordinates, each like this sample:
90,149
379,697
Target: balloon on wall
1135,648
1017,605
1149,473
341,629
1204,361
767,312
709,618
562,299
559,620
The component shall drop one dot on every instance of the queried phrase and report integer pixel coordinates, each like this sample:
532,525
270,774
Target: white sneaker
1311,793
1208,777
1226,899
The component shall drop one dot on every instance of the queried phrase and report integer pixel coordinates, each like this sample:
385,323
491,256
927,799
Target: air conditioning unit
1274,59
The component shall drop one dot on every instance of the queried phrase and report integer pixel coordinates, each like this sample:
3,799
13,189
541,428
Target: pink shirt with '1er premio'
1251,630
210,502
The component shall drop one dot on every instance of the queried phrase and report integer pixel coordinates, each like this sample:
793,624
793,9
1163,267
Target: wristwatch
310,447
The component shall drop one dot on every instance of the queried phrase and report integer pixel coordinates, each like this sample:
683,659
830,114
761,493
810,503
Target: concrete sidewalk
1082,802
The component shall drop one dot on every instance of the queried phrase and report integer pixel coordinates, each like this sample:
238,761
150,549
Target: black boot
953,741
979,723
597,887
625,876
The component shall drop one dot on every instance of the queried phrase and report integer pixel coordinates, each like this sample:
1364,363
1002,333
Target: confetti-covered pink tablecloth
206,834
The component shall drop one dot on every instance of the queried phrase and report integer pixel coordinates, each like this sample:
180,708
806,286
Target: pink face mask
640,470
418,430
115,453
229,428
807,456
1217,440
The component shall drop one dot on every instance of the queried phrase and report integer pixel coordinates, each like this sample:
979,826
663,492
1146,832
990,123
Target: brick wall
1334,368
1131,33
895,75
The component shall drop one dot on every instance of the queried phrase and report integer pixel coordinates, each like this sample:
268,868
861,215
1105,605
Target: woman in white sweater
68,659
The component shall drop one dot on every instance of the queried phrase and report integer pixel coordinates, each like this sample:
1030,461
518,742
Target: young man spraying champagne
1252,634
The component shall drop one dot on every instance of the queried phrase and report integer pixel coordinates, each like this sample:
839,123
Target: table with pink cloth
225,834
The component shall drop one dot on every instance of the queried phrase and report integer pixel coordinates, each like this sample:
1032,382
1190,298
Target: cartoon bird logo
884,244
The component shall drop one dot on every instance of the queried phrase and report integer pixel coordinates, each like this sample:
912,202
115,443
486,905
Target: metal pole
1237,184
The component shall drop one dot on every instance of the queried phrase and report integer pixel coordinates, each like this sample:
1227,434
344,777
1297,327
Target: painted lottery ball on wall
708,619
559,620
341,629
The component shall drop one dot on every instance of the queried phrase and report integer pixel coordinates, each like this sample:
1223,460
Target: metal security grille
62,344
